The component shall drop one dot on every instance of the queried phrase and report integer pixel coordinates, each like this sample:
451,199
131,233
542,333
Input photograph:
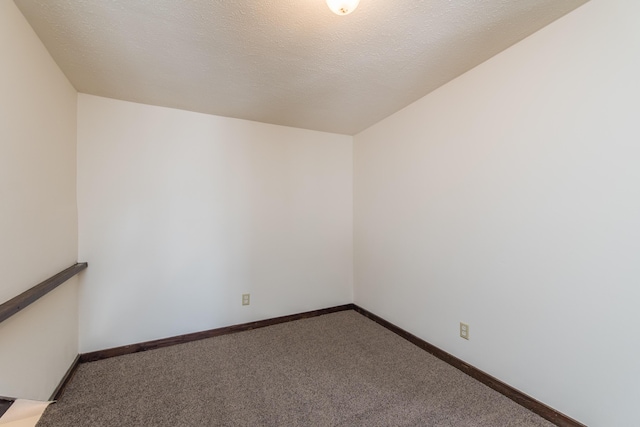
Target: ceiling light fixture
342,7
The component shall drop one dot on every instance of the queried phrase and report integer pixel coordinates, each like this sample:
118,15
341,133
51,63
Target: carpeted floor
339,369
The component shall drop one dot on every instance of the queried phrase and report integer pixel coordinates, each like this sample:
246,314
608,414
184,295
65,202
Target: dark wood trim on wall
166,342
26,298
57,393
517,396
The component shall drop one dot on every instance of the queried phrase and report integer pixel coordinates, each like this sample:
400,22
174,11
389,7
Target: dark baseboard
181,339
65,380
517,396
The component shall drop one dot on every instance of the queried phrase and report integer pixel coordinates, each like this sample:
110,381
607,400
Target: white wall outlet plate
246,299
464,330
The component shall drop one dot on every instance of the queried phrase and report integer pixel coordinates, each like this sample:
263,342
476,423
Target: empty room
319,212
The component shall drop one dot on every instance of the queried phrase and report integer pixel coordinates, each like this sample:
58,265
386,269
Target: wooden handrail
26,298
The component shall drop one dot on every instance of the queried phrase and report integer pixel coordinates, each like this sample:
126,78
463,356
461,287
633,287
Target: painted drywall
509,199
180,213
38,218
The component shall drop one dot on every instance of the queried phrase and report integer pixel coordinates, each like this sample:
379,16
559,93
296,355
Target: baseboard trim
57,393
516,395
181,339
535,406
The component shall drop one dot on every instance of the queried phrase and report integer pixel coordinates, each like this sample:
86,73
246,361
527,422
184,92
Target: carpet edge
522,399
195,336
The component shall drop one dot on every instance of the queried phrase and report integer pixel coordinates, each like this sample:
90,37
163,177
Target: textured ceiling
287,62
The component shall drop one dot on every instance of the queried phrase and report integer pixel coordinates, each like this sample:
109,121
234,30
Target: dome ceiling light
342,7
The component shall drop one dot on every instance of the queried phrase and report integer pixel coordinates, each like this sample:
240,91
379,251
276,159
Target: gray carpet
339,369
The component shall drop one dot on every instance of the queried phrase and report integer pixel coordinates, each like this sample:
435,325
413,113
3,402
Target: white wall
181,213
38,218
510,199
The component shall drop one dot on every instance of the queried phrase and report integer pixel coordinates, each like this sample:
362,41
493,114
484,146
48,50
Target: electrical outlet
245,299
464,330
